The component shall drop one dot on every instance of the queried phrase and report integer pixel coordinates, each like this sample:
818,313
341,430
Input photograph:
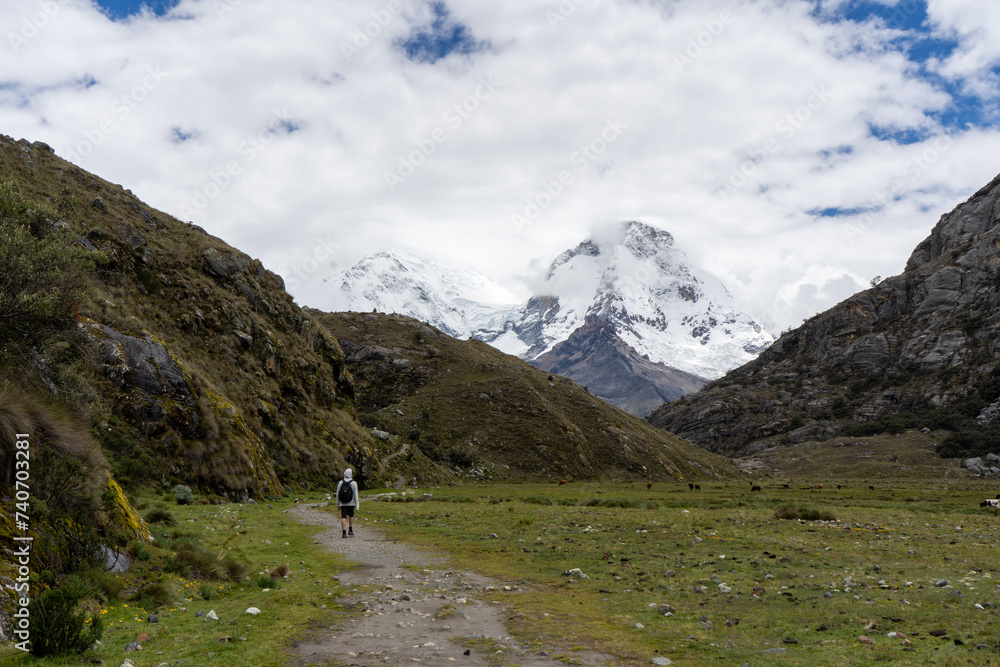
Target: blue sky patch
443,37
838,212
118,9
179,136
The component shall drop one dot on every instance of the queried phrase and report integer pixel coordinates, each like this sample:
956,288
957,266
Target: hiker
347,500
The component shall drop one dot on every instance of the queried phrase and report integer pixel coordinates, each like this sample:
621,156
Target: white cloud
767,88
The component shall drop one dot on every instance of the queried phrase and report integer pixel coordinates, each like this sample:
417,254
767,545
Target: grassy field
256,535
742,585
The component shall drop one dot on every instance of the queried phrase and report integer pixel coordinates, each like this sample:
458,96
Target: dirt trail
412,616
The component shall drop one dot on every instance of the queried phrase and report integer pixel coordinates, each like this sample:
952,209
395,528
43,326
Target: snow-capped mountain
458,301
624,314
662,307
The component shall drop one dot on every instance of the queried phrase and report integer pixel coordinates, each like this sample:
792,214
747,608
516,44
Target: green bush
42,274
264,581
160,516
57,628
183,494
154,595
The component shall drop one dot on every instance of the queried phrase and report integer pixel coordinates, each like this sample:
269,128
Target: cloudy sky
794,148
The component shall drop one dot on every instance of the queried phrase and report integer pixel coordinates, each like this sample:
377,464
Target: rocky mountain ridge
918,350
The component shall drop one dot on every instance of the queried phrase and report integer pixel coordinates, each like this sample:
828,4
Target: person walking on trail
348,500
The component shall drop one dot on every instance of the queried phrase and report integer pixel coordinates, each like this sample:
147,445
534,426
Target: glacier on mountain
634,280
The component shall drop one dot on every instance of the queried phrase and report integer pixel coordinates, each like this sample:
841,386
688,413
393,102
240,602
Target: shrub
183,494
57,629
206,591
154,595
41,273
266,582
161,517
235,571
139,551
279,572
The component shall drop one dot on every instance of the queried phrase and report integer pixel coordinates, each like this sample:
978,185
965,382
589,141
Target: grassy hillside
467,408
187,358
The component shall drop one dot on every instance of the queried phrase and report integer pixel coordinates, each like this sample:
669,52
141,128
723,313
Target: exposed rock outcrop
921,348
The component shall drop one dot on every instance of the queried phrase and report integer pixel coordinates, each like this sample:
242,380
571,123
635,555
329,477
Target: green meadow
741,584
784,576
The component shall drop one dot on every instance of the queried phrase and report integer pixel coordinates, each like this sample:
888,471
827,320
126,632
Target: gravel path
410,615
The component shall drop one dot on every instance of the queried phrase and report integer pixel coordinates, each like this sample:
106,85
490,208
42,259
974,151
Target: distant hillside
919,350
186,358
471,409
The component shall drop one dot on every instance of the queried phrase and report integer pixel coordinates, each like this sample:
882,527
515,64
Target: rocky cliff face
189,361
921,349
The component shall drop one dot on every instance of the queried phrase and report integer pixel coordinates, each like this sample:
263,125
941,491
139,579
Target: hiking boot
350,531
344,533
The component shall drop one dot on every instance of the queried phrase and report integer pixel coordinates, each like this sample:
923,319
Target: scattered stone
640,626
210,616
665,609
133,646
661,661
667,575
941,583
152,618
576,573
828,594
789,640
253,611
381,435
199,614
866,640
143,637
99,204
225,640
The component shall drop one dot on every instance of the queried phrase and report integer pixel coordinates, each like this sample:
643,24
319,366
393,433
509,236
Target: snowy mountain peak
454,299
630,280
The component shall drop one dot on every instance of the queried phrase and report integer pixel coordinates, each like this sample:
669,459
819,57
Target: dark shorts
346,511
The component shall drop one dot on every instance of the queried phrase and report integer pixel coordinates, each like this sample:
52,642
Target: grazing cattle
820,486
697,487
998,496
990,502
563,481
754,487
649,485
838,487
690,486
871,488
785,486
